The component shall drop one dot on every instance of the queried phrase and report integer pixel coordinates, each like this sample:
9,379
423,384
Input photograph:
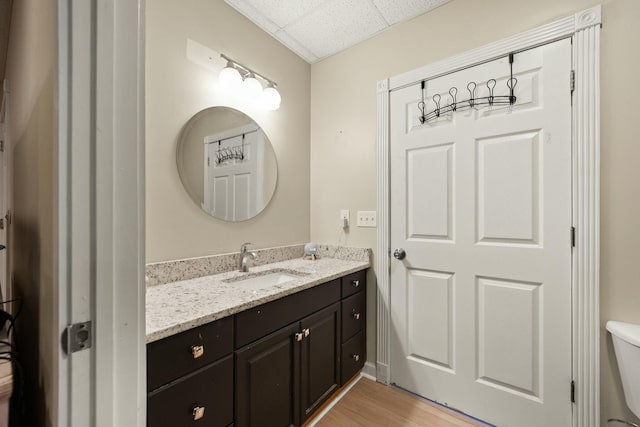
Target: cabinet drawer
353,315
354,282
210,388
172,357
260,321
353,356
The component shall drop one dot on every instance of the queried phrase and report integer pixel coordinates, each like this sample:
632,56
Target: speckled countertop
179,306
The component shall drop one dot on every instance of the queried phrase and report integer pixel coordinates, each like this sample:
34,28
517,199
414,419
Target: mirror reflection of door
227,164
233,187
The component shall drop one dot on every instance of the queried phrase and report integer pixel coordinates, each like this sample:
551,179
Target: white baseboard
382,373
369,371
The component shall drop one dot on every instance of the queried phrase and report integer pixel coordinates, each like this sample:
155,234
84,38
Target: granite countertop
179,306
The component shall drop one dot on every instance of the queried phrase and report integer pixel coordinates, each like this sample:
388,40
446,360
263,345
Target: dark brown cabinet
282,378
190,377
320,359
202,398
271,365
266,383
353,312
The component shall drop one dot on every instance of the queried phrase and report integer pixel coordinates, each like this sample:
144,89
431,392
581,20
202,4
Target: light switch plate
367,219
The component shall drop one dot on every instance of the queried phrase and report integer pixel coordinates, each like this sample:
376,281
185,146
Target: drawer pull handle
356,316
355,357
302,335
197,351
198,412
355,283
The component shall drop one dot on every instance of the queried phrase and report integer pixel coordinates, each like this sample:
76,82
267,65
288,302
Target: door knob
399,253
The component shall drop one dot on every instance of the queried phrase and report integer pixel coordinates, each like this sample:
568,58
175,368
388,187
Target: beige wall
343,135
31,72
176,89
620,199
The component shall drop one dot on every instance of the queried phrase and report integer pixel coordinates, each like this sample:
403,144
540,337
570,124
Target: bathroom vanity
220,353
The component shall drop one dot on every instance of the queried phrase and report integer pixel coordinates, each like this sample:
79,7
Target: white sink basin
261,282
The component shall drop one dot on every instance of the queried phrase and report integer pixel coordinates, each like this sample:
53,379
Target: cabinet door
267,380
320,358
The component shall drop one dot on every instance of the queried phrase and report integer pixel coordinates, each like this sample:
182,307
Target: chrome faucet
245,255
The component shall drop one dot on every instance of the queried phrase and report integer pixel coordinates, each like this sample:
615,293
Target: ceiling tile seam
304,15
254,18
384,18
295,47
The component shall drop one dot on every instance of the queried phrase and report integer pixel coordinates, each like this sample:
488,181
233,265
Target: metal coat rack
472,102
224,154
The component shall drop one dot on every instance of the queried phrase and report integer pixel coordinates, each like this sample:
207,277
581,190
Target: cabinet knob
197,351
299,336
198,412
355,357
306,332
356,316
355,283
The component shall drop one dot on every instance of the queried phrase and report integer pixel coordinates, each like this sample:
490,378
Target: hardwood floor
369,403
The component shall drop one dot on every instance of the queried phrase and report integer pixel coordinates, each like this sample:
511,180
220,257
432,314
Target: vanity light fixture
239,79
230,78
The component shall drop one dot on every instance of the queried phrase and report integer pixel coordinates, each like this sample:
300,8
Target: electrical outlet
344,218
367,219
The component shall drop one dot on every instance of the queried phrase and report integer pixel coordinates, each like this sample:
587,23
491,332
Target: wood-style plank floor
370,403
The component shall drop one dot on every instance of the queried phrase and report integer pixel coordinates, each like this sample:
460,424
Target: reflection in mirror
227,164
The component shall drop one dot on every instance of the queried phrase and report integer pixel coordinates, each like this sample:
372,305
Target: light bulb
229,78
271,98
251,87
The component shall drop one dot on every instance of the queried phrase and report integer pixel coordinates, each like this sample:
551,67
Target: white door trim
100,202
584,28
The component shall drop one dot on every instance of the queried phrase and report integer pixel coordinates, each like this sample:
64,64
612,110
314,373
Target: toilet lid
626,331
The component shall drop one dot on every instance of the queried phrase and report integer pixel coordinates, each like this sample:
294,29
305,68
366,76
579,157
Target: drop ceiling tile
336,25
254,15
395,11
284,12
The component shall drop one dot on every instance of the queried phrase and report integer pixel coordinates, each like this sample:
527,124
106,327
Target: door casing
584,29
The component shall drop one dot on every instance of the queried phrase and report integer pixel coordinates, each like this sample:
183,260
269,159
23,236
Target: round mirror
227,164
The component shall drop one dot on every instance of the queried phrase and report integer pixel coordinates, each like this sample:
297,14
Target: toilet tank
626,342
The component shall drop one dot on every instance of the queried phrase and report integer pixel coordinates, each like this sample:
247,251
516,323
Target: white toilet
626,342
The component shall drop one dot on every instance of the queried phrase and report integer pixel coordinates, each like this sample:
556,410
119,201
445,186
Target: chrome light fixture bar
240,79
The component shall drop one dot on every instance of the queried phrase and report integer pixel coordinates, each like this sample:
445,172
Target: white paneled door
481,205
233,189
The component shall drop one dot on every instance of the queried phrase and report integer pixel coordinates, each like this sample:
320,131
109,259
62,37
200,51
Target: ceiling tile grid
342,23
315,29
